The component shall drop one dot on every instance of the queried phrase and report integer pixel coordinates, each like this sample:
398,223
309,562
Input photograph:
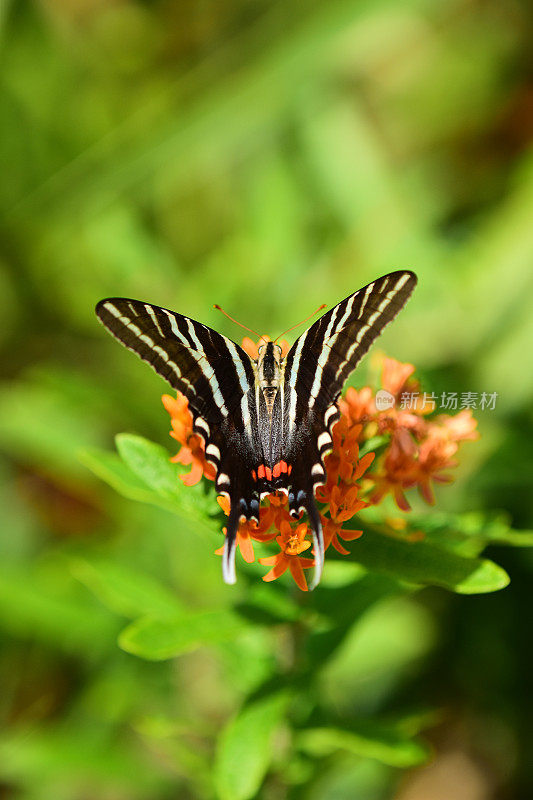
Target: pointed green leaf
111,469
150,462
473,530
427,565
466,534
245,747
158,639
145,473
384,743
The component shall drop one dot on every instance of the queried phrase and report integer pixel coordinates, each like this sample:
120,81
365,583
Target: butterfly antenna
246,328
300,323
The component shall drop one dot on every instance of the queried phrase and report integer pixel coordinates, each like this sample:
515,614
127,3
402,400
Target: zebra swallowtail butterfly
266,424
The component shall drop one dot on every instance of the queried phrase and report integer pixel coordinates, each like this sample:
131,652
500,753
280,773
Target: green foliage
164,629
371,741
245,747
145,473
267,158
163,638
425,564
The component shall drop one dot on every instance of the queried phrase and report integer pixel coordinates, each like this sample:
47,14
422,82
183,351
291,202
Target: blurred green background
268,157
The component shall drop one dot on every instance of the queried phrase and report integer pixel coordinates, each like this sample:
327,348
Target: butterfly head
269,364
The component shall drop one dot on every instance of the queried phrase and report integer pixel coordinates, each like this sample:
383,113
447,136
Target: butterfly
266,423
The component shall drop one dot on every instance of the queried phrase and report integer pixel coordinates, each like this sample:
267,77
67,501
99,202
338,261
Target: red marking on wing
280,467
275,472
254,475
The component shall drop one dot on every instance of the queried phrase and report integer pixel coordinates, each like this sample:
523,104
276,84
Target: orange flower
395,377
397,471
343,462
358,406
344,503
420,449
332,531
192,450
292,544
437,450
461,427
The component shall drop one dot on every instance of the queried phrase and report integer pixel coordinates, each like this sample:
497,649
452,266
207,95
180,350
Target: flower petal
278,569
298,573
349,536
194,476
339,548
401,500
246,547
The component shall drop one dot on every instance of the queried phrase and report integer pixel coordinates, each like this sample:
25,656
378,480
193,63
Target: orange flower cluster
419,448
416,450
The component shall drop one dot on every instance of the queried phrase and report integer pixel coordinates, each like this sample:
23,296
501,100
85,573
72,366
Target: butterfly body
266,423
270,373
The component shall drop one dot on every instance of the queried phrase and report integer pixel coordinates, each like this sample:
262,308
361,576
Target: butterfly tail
230,543
318,543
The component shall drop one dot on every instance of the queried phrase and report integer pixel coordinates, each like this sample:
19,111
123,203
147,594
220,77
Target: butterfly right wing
218,379
317,367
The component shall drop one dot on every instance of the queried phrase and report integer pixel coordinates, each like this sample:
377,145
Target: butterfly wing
218,379
316,369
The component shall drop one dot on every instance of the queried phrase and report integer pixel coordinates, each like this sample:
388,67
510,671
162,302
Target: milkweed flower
421,445
192,449
293,543
417,449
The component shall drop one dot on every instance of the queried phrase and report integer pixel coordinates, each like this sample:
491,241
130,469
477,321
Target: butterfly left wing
316,369
218,379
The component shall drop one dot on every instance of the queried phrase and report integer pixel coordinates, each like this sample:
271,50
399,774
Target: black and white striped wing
321,360
218,379
210,370
316,368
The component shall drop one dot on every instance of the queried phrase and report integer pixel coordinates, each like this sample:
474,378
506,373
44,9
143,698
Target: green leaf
474,530
368,740
467,534
150,462
427,565
158,639
245,747
344,605
111,469
373,444
145,473
126,591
